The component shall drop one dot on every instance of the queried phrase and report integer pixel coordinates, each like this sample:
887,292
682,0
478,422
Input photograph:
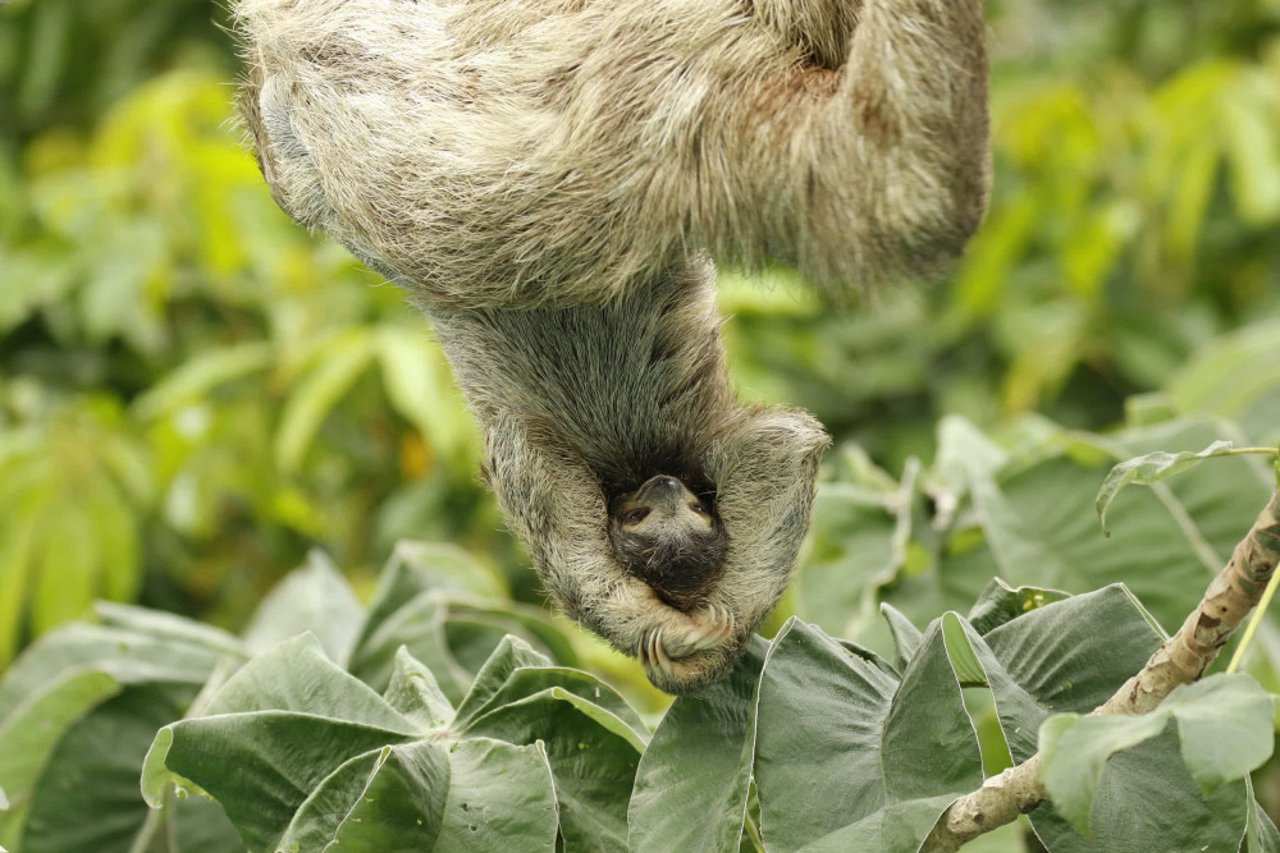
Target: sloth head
670,538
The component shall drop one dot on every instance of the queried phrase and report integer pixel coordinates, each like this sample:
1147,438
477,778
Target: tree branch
1181,659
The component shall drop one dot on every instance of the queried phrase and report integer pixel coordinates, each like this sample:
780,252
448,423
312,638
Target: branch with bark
1181,659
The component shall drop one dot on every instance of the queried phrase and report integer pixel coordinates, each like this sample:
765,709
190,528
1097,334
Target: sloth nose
663,491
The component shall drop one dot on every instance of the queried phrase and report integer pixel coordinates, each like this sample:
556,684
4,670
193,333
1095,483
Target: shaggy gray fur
545,179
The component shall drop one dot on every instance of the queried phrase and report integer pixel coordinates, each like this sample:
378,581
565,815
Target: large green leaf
439,565
516,671
849,551
414,692
1224,725
1000,603
83,704
476,794
693,780
87,799
418,626
845,748
315,598
593,756
272,733
510,655
301,754
418,604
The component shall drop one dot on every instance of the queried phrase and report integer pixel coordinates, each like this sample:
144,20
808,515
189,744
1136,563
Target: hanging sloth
549,180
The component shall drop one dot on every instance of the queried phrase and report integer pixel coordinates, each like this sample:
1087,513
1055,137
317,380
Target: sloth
549,180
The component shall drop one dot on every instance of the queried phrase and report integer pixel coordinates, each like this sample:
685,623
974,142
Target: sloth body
547,179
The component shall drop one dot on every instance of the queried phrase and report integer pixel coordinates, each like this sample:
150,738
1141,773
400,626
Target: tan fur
544,178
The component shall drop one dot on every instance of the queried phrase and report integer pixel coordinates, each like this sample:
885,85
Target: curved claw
714,626
706,630
653,653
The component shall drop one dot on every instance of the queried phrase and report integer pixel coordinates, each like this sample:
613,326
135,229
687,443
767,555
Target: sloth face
670,538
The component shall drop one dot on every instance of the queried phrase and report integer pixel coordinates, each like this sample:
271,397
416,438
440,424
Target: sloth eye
698,508
635,515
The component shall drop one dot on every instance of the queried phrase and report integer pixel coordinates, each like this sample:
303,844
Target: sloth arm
874,169
765,464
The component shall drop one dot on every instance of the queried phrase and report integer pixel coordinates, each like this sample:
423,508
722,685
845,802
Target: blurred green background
194,392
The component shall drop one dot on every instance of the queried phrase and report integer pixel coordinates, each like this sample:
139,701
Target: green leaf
93,772
315,598
29,734
473,631
317,393
1152,468
414,692
1071,656
906,636
1167,542
419,627
851,549
259,766
964,661
477,795
1261,835
1073,751
592,757
440,565
880,748
1236,376
296,676
419,386
1000,603
693,780
511,654
896,828
587,692
84,703
1224,724
964,452
272,733
168,627
194,380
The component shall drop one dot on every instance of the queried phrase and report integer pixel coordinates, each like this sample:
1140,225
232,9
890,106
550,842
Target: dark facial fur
544,178
670,538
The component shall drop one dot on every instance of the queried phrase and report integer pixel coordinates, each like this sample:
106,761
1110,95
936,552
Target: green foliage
79,710
194,394
811,743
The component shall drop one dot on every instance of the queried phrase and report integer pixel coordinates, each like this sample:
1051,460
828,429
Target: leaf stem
1252,451
1254,621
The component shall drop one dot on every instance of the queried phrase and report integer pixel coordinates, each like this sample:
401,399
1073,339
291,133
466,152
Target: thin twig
1181,659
